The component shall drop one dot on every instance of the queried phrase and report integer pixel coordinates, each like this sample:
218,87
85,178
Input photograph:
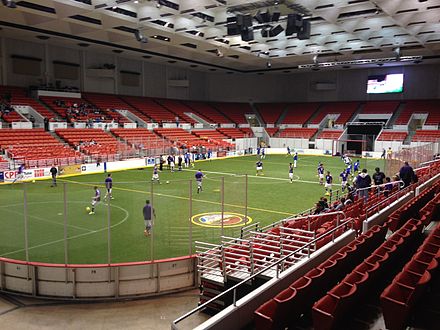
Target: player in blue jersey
263,153
328,183
321,173
344,178
289,153
259,167
295,159
20,174
199,177
155,176
95,199
291,172
356,166
108,186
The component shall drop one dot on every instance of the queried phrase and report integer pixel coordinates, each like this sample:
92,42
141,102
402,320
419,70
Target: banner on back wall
70,169
35,173
92,168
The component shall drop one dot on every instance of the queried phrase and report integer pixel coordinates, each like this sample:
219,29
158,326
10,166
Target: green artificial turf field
269,198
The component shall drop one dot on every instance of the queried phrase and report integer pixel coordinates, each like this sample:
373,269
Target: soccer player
289,153
108,186
321,173
328,184
259,166
291,172
356,165
148,211
155,176
20,173
53,171
263,153
179,162
199,177
295,159
344,178
95,199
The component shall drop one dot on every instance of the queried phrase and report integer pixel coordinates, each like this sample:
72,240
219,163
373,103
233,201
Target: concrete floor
153,313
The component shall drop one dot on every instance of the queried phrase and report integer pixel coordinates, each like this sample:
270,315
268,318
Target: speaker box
244,20
247,34
304,33
276,16
291,26
275,31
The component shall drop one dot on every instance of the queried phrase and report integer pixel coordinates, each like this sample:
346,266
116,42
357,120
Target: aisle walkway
154,313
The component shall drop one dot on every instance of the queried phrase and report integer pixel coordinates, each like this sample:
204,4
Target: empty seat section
33,144
235,111
392,136
178,109
140,138
184,138
272,131
235,133
93,141
429,107
380,107
207,112
344,110
426,136
299,133
151,109
270,112
330,134
299,113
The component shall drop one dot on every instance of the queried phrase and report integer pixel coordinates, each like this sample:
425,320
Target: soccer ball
88,209
33,181
167,182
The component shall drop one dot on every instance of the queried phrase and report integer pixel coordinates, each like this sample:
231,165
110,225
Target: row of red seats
329,311
400,298
392,136
270,112
286,307
299,133
412,209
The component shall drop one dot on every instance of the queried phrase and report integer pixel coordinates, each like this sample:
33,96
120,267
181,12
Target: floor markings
185,198
127,214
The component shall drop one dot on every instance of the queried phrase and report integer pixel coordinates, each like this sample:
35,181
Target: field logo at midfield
214,219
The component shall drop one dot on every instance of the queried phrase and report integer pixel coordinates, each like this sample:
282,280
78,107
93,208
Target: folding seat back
285,304
264,316
394,301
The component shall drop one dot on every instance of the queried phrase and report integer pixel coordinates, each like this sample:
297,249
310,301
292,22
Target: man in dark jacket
378,177
363,181
407,174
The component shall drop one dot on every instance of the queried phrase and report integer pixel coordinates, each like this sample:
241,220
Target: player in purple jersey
95,199
108,186
328,183
344,178
155,176
321,173
199,177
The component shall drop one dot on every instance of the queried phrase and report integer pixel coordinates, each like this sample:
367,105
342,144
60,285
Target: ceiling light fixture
9,3
140,37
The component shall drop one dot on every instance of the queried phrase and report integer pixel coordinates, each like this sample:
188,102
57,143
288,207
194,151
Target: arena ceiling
194,33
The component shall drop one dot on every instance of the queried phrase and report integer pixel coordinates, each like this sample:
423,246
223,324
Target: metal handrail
277,263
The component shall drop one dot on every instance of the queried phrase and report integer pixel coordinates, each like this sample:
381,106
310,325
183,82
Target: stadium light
378,61
140,37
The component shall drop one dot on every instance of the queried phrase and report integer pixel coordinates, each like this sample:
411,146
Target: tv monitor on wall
386,83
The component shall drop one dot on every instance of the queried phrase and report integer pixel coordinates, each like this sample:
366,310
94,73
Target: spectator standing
363,182
378,176
407,174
